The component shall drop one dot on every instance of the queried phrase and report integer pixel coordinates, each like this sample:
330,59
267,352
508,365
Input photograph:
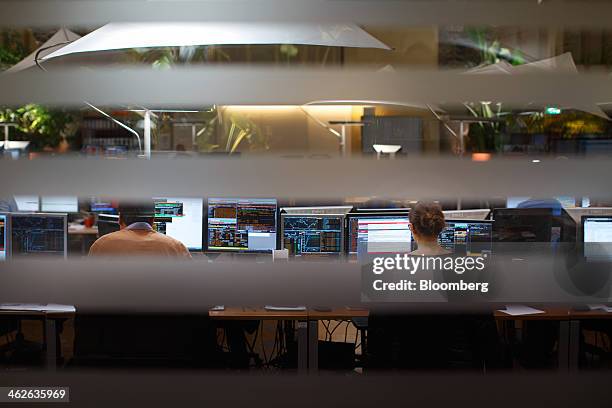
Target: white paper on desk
600,307
520,310
29,307
52,307
37,307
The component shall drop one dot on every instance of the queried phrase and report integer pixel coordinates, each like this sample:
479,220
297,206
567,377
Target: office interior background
285,145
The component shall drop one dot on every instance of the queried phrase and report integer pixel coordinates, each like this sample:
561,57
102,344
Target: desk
569,330
259,313
51,321
82,230
308,334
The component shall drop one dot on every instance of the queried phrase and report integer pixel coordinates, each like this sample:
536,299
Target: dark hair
427,219
131,211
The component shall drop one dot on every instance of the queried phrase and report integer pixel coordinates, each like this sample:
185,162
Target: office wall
294,129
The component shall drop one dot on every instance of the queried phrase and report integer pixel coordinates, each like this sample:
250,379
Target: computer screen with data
59,204
313,234
181,219
38,235
103,205
242,224
379,233
467,238
3,236
597,237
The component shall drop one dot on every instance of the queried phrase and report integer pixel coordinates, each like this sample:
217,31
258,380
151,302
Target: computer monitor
241,224
386,210
565,201
57,204
470,215
107,223
103,205
312,234
39,235
597,237
3,236
332,209
377,232
181,219
522,224
27,203
467,238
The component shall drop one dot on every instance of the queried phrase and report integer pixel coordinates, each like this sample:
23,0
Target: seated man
136,236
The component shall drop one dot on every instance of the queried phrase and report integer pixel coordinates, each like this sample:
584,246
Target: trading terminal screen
181,219
103,205
3,238
242,224
37,235
312,234
597,236
467,238
380,234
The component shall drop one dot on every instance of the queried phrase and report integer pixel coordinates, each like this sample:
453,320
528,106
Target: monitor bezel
342,218
204,222
581,240
206,247
364,214
490,222
7,235
545,212
44,215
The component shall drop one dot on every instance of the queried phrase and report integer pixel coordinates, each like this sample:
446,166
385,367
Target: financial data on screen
242,224
181,219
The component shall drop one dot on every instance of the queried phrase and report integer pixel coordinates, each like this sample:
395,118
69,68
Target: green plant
244,131
43,127
12,49
485,136
491,50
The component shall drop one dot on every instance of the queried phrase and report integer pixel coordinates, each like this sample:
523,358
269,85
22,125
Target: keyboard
285,308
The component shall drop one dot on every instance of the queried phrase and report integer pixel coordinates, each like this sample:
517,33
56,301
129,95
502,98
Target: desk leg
50,344
313,346
564,345
302,334
574,344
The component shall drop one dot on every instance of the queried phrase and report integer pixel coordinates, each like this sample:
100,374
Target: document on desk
604,308
27,307
37,307
520,310
52,307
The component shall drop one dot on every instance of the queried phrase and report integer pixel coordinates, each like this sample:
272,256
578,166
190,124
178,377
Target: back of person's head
133,211
427,219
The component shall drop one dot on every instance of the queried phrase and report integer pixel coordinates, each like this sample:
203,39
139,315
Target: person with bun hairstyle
426,223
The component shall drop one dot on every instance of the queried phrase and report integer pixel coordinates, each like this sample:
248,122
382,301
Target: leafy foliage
491,50
43,127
